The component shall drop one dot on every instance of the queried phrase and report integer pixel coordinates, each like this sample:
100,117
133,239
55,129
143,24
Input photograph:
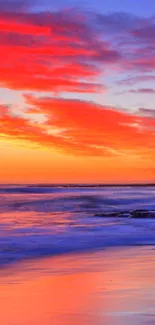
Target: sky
77,91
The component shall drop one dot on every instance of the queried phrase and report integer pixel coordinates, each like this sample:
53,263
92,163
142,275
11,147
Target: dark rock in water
142,214
106,214
123,214
137,214
151,214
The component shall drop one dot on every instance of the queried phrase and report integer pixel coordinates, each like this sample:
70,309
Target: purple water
39,221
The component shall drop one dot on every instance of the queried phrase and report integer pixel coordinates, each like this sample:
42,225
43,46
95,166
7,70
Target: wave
32,242
34,224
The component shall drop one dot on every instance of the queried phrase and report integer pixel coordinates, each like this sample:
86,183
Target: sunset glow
77,94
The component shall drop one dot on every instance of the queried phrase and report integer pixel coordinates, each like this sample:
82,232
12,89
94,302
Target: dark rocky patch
113,214
135,214
142,214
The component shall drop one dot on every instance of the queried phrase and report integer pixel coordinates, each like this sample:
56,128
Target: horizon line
78,184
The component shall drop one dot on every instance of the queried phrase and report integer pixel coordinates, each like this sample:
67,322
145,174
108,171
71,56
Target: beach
115,286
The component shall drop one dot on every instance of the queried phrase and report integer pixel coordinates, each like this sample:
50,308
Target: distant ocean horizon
66,184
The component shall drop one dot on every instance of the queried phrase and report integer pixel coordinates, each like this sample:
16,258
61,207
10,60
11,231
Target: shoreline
115,286
14,264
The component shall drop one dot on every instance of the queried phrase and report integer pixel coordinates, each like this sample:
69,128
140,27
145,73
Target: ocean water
38,221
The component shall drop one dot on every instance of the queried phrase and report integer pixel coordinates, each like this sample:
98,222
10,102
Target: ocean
38,221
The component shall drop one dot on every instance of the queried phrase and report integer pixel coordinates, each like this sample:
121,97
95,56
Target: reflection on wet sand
111,287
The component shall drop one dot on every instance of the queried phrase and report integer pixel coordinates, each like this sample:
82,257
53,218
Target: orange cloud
13,26
82,128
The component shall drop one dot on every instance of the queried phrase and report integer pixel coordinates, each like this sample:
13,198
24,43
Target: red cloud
59,51
50,84
81,128
13,26
64,50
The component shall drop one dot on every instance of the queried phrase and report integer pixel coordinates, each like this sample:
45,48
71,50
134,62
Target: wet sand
112,287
